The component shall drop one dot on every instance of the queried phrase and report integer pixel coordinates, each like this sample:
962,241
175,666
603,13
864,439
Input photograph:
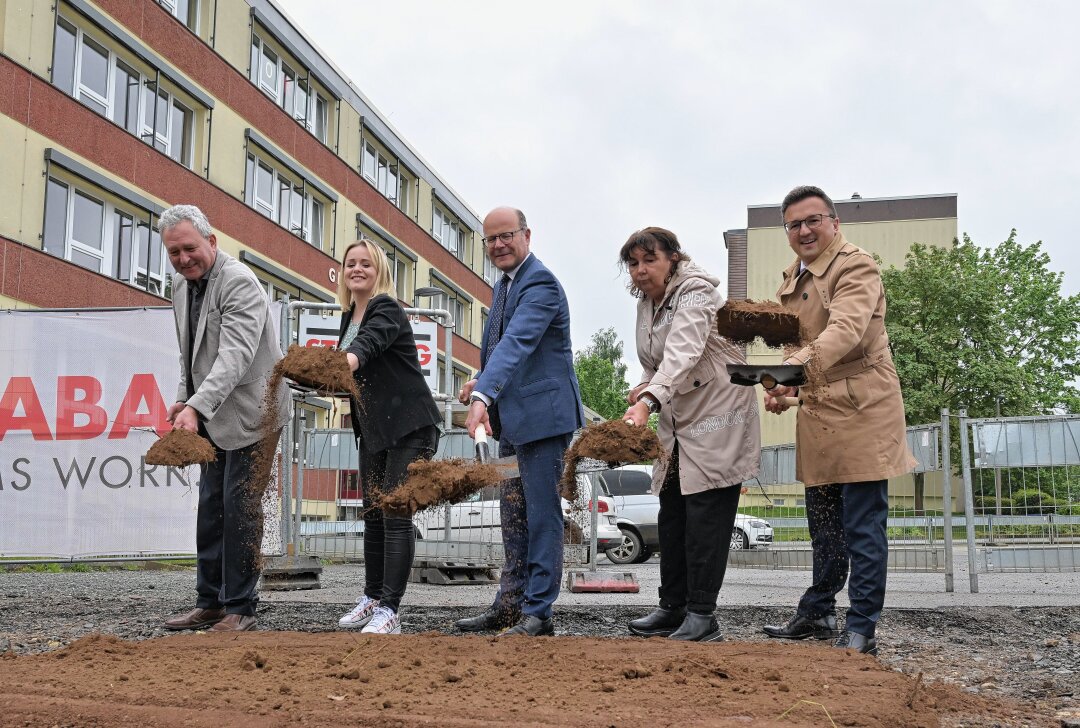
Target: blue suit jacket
530,375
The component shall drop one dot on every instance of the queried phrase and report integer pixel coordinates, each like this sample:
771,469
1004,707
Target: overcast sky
598,118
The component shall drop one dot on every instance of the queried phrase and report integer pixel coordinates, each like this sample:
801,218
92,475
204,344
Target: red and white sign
83,396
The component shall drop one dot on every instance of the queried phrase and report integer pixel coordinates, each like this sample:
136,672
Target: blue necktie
495,320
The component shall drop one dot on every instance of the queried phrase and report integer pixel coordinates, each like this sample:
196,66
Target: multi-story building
885,226
112,110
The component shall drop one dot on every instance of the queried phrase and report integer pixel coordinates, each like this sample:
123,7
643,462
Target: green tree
969,326
601,374
981,329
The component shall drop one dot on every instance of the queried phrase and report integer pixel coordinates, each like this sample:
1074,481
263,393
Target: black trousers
228,534
695,536
848,526
389,540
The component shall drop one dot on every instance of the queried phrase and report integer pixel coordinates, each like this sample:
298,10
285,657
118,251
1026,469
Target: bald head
506,237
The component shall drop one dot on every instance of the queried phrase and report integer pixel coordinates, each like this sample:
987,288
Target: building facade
886,227
112,110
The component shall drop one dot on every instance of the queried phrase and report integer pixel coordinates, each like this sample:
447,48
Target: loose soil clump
324,370
434,482
744,321
181,448
613,442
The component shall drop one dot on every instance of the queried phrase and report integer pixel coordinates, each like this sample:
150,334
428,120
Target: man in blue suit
526,395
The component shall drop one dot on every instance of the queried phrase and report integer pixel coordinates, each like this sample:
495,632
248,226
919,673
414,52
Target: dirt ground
429,679
64,661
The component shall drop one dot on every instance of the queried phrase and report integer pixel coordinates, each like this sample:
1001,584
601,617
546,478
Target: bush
1034,501
988,504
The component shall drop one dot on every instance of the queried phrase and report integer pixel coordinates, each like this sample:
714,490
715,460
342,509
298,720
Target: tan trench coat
683,358
851,426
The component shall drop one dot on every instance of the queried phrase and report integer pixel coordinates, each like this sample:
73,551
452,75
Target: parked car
478,518
637,509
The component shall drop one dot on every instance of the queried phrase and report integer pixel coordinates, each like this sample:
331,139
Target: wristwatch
651,403
477,398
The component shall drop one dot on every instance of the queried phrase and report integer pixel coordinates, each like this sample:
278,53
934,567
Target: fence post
287,446
946,497
969,500
299,503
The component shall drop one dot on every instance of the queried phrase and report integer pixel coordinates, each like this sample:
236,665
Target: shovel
769,376
507,467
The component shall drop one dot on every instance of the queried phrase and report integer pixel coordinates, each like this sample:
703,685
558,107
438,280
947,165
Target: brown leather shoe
195,619
235,623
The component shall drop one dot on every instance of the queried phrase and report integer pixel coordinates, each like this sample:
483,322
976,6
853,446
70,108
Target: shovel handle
789,401
483,450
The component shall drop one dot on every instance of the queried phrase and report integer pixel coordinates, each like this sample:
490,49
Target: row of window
285,200
103,236
86,69
290,90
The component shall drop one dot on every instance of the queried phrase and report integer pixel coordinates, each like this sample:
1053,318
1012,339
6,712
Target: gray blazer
235,349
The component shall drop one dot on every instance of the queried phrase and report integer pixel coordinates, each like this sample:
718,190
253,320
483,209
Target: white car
630,487
477,519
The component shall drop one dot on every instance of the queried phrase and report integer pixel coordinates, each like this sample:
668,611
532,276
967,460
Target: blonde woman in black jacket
395,422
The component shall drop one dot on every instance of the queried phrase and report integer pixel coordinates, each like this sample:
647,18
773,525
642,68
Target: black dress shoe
488,621
802,628
660,622
855,641
698,628
531,626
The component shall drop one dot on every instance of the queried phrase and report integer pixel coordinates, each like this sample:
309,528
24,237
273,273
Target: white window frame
146,84
153,281
312,225
306,113
447,231
491,273
192,22
383,173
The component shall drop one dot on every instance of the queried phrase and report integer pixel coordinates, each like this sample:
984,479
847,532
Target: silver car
638,509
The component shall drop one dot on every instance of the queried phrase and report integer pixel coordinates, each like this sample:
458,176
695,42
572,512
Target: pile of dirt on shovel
324,370
181,448
434,482
744,321
613,442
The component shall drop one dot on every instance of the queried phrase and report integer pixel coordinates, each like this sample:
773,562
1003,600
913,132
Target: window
386,175
627,482
186,11
456,309
446,230
290,89
491,273
87,70
778,501
285,200
112,239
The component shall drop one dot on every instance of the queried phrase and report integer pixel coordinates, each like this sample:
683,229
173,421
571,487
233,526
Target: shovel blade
747,375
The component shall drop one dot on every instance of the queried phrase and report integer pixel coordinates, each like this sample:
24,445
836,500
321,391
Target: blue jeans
848,526
532,528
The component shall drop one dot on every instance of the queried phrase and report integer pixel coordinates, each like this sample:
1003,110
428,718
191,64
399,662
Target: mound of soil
744,321
613,442
324,370
434,482
181,448
339,678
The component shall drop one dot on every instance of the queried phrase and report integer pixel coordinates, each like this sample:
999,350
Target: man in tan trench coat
850,436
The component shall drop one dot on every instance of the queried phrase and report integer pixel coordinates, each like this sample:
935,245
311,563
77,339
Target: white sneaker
361,614
384,621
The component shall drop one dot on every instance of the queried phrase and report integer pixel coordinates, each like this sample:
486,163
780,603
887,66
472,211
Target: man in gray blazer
228,347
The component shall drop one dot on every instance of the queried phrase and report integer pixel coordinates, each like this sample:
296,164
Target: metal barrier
1022,480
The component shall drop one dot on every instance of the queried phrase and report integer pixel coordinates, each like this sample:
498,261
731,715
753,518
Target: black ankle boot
698,628
660,622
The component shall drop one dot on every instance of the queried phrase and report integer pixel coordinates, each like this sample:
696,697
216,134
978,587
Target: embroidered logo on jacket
717,422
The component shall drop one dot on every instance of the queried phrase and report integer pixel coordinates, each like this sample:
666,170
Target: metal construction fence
1016,506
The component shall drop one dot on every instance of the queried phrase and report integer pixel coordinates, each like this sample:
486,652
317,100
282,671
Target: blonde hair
383,282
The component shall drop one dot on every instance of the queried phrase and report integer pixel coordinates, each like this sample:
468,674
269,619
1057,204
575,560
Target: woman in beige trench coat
708,425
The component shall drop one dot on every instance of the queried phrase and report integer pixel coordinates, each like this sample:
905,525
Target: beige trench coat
683,357
851,426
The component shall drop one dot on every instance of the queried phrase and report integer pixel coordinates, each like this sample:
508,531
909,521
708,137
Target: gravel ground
1029,654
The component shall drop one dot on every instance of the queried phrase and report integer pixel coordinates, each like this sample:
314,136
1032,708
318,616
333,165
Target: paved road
341,584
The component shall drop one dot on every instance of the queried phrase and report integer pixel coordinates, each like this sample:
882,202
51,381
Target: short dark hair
651,239
801,193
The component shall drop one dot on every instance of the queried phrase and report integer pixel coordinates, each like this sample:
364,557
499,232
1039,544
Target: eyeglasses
504,237
813,222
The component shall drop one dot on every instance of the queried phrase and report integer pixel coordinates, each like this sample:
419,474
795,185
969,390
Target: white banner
82,398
